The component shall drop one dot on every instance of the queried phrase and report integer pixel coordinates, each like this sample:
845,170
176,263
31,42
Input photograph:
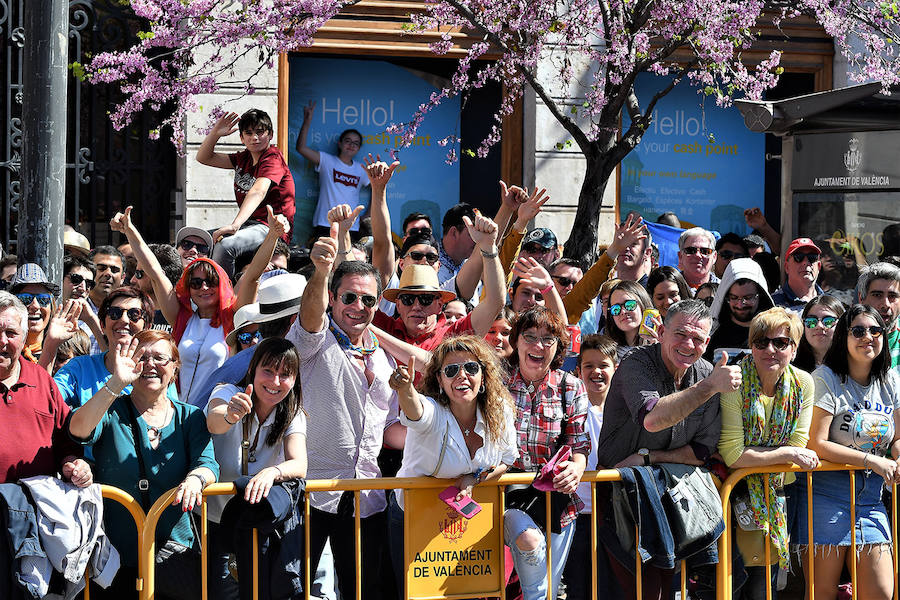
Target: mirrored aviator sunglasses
813,322
471,367
26,298
616,309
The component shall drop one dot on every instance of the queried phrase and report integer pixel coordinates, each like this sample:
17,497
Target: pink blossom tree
696,41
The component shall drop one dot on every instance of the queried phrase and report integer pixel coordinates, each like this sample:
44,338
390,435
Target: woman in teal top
173,440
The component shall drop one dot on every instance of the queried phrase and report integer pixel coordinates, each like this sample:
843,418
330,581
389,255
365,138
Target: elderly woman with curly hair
551,408
460,428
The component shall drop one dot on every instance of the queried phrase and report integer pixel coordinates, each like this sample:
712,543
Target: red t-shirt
394,326
33,438
271,165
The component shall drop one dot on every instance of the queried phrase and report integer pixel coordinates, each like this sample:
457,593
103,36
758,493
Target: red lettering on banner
346,179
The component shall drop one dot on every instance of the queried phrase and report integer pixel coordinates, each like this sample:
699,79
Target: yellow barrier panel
134,509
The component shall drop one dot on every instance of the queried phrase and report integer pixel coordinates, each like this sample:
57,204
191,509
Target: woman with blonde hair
460,427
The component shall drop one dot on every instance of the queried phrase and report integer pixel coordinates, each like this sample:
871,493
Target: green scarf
775,432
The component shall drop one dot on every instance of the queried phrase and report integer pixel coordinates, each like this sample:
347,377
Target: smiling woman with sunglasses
460,427
201,305
627,302
855,421
766,422
819,317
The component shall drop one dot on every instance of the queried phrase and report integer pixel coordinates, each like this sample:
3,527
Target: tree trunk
582,242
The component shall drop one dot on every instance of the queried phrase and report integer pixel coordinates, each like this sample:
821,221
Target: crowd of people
231,357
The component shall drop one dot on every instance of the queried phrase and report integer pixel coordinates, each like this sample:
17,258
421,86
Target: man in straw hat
420,299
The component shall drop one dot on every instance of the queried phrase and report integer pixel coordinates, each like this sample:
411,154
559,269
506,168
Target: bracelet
345,252
110,390
493,254
202,480
547,289
280,474
865,462
225,416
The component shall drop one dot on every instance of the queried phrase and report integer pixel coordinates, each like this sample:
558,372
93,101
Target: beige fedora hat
418,279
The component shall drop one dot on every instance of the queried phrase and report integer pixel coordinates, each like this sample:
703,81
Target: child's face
350,144
256,139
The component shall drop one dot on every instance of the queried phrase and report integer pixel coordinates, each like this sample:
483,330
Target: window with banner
853,229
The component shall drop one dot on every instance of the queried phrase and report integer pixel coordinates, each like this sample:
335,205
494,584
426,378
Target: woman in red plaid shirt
551,407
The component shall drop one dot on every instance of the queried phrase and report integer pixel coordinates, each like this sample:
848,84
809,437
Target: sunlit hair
506,314
151,336
635,291
607,286
806,357
838,356
772,320
281,355
603,344
7,300
538,317
495,401
667,273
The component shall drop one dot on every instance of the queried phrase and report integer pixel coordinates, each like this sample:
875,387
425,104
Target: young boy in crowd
261,177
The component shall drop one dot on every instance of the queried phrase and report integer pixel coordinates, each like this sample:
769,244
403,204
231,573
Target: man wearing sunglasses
419,297
417,224
351,408
193,243
879,287
728,247
741,295
696,256
801,269
79,278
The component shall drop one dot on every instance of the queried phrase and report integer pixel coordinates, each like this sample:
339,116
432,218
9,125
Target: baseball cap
542,237
799,243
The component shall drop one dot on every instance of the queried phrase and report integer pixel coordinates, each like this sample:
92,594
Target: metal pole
44,135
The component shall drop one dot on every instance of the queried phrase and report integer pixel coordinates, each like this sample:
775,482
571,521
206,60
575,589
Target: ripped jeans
531,565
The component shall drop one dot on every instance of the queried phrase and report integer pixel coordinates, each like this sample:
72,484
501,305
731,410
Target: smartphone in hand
466,507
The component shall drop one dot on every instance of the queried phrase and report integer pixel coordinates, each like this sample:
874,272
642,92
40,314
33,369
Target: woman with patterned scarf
766,422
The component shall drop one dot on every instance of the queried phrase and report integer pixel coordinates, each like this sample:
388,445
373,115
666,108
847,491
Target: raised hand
126,363
308,110
483,230
402,378
379,172
121,222
278,224
512,196
226,125
344,217
725,378
324,251
64,322
531,207
627,234
240,405
755,218
533,272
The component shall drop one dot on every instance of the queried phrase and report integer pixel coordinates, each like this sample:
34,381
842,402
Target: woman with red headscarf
201,305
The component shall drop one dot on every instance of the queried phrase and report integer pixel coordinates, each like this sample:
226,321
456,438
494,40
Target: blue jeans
531,565
248,238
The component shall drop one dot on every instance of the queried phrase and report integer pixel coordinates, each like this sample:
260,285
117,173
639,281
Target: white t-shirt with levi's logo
338,184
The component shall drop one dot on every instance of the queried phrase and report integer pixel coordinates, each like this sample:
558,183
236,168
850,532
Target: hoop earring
481,389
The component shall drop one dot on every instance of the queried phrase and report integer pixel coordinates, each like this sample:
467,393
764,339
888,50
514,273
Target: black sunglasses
349,298
812,257
859,331
535,249
246,337
77,280
779,343
689,250
138,274
410,299
471,367
134,314
26,298
188,244
564,281
418,231
430,257
729,255
196,283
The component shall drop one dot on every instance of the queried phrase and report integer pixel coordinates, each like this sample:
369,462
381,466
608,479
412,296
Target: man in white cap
192,243
420,299
278,301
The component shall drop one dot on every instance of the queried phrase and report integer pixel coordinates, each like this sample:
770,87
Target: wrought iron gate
106,169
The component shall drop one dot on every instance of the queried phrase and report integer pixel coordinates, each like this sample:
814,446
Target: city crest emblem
453,527
853,156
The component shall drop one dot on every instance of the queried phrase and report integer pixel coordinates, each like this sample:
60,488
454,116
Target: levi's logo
346,179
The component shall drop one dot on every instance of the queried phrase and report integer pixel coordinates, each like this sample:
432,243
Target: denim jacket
25,569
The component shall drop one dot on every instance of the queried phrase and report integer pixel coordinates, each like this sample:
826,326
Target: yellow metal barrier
724,575
137,513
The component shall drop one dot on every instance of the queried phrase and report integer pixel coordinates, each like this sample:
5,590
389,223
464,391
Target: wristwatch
646,454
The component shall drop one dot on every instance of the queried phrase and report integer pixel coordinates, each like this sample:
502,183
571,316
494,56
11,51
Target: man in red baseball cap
801,269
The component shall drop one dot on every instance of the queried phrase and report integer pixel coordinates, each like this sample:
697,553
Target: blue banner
696,160
371,95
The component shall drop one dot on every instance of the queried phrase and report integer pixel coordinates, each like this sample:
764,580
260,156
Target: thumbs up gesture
725,378
324,251
240,405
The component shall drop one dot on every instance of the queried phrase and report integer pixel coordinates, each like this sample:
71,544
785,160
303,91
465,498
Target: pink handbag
544,480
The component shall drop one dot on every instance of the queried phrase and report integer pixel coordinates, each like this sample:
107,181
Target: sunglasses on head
729,255
196,283
616,309
860,331
418,231
691,250
779,343
349,298
471,367
247,337
430,257
186,245
77,280
812,322
134,314
564,281
410,299
43,299
812,257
